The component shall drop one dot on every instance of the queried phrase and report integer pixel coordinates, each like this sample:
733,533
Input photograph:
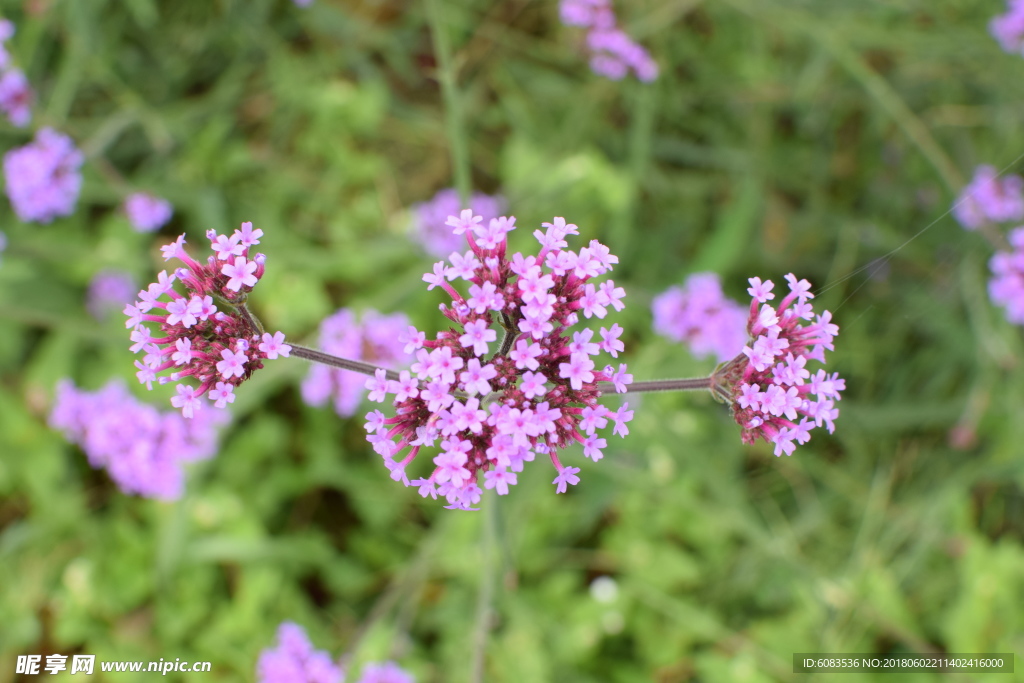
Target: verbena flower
374,339
205,333
990,198
109,291
429,218
42,178
613,52
701,316
492,404
1008,28
1006,288
294,660
772,392
142,449
15,91
386,672
147,213
15,97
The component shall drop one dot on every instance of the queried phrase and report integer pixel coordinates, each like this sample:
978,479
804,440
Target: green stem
692,384
335,362
486,595
452,104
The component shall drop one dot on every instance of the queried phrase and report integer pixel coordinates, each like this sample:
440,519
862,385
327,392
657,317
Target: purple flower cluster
537,392
144,450
1008,28
612,52
147,213
768,384
699,314
374,339
43,178
109,291
1006,288
15,92
387,672
220,349
429,225
990,198
294,660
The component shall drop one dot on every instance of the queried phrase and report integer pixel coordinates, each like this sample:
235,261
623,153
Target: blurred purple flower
699,315
388,672
429,222
989,198
294,660
3,241
16,97
613,52
1006,288
146,212
1008,28
375,339
142,449
110,290
42,177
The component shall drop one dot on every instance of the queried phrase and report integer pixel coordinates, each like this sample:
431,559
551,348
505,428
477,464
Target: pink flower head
147,213
699,315
194,338
772,394
494,409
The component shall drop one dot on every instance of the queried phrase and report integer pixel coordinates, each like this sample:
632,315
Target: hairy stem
336,362
692,384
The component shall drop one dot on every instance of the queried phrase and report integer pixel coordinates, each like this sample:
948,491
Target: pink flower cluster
700,315
147,213
144,450
42,177
612,52
374,340
429,225
1008,28
294,660
768,384
15,92
492,408
220,349
990,198
1006,288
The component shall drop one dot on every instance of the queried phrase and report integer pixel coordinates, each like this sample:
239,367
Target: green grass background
823,137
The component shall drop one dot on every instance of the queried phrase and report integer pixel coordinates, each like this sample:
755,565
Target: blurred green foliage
821,137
